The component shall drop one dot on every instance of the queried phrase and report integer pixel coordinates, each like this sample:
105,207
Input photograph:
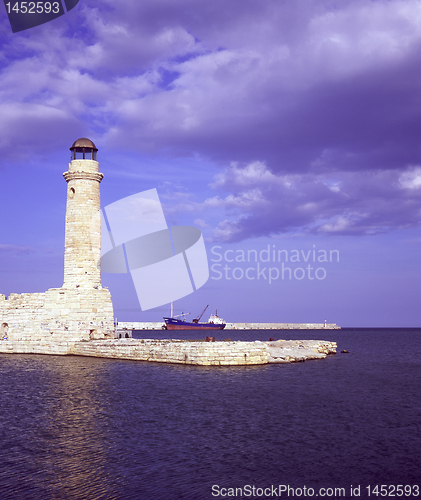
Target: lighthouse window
79,153
84,154
71,192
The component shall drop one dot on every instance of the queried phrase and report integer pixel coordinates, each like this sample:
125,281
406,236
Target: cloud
255,172
347,85
15,249
282,81
411,179
333,203
313,104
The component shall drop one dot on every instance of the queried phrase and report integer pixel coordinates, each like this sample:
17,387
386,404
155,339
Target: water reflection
52,433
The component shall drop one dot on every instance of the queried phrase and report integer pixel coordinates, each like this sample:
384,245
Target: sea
347,426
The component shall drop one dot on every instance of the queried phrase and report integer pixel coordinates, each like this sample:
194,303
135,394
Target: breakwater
158,325
224,353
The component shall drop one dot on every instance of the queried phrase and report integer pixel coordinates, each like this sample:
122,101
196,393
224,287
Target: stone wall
282,326
59,314
20,315
42,346
144,325
157,325
170,351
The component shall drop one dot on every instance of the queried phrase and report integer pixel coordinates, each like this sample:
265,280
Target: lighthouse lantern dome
83,149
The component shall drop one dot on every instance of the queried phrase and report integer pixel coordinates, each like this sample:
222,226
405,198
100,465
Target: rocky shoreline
292,351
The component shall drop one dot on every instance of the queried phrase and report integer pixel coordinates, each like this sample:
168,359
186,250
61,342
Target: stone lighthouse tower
83,221
88,305
81,309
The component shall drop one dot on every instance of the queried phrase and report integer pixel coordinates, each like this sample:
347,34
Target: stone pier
157,325
224,353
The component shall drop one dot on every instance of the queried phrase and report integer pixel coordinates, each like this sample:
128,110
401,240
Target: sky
288,132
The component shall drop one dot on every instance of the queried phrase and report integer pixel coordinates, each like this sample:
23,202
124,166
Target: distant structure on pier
81,309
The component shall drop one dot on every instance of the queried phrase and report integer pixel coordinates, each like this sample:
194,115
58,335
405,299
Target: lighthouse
81,309
87,306
82,251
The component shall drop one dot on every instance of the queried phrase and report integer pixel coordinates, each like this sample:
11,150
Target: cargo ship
214,323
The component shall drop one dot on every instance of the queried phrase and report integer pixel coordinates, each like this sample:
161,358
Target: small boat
214,323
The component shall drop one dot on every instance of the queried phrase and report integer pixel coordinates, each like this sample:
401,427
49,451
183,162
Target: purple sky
290,124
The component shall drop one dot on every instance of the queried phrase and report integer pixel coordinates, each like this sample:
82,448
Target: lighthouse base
59,314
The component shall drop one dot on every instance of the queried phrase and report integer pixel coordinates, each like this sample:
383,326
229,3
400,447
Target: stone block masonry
82,250
172,351
181,352
58,314
58,348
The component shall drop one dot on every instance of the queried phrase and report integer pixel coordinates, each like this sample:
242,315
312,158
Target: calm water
86,428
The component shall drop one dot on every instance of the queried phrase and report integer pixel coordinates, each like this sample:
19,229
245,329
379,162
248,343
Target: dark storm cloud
280,81
344,80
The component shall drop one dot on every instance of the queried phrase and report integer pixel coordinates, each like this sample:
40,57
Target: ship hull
176,324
